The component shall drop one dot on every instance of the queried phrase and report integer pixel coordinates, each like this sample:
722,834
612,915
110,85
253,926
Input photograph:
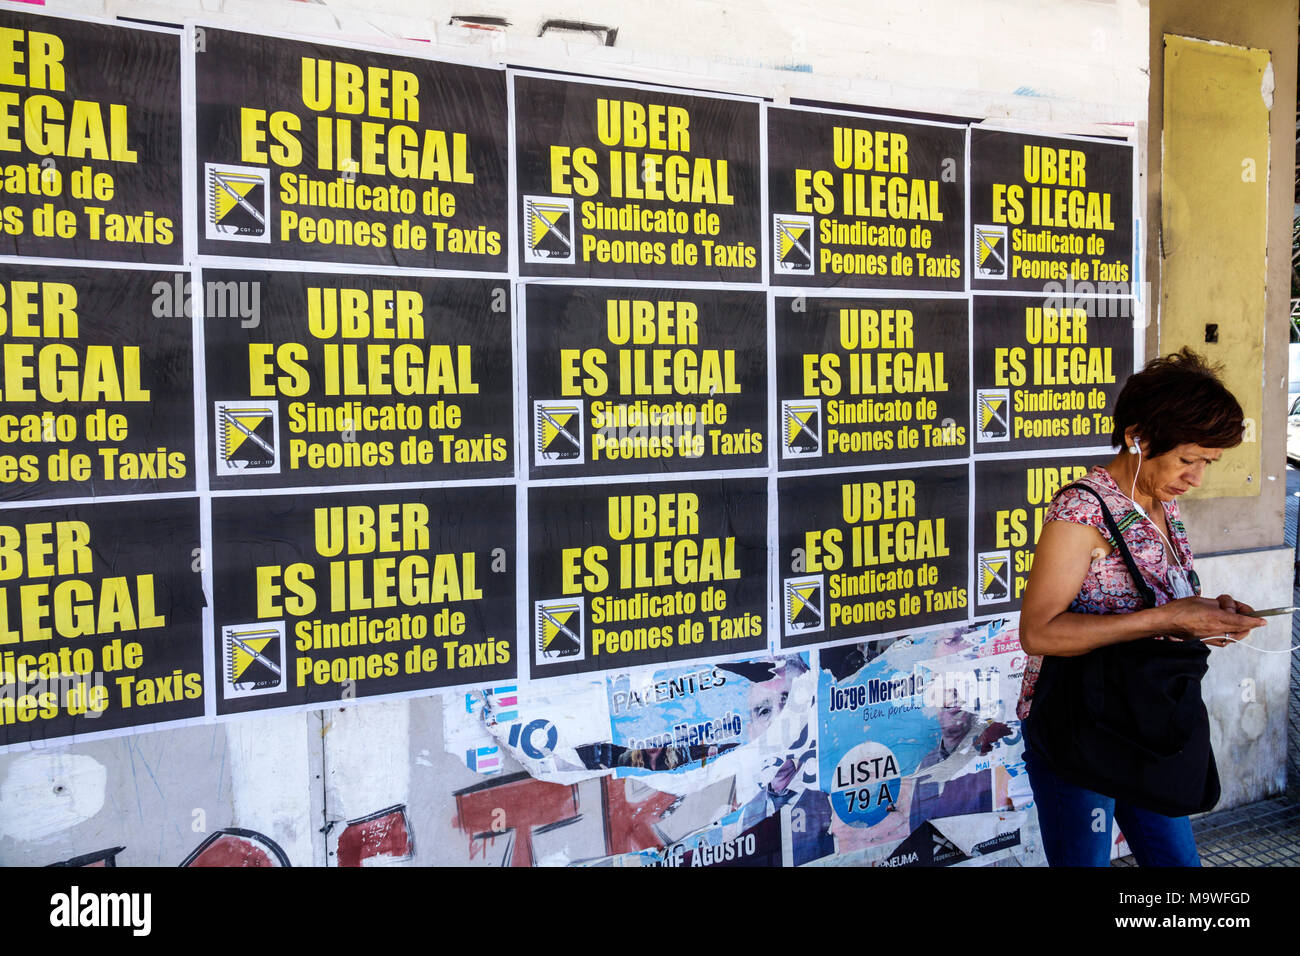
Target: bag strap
1144,589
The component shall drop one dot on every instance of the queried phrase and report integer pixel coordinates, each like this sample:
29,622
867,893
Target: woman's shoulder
1074,498
1079,506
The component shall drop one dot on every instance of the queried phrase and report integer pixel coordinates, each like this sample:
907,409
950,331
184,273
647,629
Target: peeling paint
268,762
45,794
368,759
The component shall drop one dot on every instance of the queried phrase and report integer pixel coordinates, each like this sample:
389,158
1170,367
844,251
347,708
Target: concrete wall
1233,524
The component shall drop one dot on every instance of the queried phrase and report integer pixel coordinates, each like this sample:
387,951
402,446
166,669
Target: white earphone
1135,449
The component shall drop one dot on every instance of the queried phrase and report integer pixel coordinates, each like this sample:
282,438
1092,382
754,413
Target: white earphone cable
1260,650
1137,449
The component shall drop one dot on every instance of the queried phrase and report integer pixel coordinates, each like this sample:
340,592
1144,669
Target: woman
1172,420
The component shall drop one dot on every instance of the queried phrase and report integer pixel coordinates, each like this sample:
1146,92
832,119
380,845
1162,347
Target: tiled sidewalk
1266,833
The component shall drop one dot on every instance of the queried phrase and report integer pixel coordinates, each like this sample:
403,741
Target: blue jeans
1076,825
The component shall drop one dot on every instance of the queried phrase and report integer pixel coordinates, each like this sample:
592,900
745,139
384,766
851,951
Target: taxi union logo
992,414
993,569
548,230
801,428
247,434
254,659
557,427
793,249
238,203
557,629
803,605
990,252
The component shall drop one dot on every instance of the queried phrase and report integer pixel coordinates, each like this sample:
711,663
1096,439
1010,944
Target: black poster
870,381
627,381
1047,371
1051,215
872,553
624,182
90,140
322,598
646,573
865,202
100,617
324,380
315,152
1011,498
96,382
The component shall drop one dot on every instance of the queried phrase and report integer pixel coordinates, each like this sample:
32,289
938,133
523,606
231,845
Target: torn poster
915,735
684,726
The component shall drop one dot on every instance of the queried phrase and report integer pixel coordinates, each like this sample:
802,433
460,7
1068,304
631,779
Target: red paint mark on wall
517,804
629,824
382,837
236,847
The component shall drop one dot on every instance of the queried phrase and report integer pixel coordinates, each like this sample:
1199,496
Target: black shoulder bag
1127,720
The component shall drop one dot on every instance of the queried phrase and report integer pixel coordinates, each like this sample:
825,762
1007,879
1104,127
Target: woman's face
1176,471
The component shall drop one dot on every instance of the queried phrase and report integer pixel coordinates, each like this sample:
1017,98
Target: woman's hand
1060,563
1217,621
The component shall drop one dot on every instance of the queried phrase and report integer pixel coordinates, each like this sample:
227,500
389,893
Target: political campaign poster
634,381
315,152
735,840
1046,372
1012,496
90,140
684,726
871,381
623,575
677,718
337,379
1050,214
96,382
618,181
326,598
100,618
914,739
867,554
865,202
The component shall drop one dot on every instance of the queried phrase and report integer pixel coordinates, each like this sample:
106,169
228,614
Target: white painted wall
1066,64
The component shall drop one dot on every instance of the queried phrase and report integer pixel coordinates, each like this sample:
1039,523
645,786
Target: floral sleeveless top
1108,588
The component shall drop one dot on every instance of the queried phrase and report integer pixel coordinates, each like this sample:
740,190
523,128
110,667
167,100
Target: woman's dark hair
1178,400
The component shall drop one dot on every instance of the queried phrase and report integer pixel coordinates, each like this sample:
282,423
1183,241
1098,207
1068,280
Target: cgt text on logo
548,230
793,248
238,203
993,574
557,626
557,427
253,659
992,414
804,605
247,435
75,908
990,252
801,428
